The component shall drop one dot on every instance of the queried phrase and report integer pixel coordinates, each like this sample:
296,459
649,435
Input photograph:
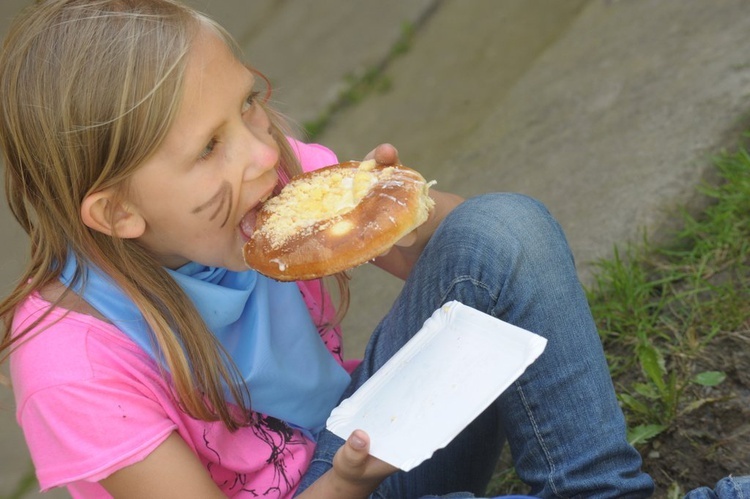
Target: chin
236,265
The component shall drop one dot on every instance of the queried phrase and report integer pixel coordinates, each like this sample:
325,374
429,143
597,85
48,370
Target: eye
250,101
208,150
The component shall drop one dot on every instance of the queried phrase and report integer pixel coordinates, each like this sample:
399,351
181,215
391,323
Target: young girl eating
147,360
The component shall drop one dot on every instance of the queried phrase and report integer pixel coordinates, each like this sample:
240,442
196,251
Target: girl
147,361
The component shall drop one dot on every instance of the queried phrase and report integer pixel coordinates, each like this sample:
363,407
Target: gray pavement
608,111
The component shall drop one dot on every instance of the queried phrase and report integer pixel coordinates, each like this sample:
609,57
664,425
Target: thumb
354,465
356,450
384,154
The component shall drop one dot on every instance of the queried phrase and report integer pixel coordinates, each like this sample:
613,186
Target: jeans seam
539,437
320,460
460,279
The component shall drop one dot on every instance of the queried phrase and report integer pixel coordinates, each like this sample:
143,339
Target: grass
658,307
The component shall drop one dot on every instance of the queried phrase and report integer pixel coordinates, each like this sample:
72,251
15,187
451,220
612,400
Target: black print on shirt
280,439
317,312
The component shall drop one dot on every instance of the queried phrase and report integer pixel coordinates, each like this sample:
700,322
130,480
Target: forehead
211,62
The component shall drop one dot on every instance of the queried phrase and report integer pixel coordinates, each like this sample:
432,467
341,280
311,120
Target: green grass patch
659,307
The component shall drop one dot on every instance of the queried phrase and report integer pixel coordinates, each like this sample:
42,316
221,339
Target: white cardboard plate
444,377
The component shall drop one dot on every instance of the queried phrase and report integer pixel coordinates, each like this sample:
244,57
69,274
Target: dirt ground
712,441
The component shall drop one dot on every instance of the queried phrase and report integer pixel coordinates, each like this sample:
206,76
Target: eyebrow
221,199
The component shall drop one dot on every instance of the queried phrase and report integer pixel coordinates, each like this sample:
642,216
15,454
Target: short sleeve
88,400
312,156
106,425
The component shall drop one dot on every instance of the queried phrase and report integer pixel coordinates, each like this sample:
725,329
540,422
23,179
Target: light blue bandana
263,324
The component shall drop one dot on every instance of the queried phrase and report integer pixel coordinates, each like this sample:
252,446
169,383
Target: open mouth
248,222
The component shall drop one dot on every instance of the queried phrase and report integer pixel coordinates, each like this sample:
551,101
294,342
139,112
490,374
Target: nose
258,154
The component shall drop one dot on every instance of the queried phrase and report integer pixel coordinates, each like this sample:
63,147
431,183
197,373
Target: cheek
162,206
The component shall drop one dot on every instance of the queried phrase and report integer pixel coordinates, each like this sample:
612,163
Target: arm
401,258
173,471
170,471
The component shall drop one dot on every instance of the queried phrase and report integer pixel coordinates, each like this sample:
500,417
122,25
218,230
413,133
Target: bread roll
336,218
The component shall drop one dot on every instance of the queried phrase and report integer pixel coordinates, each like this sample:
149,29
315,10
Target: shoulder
67,347
55,292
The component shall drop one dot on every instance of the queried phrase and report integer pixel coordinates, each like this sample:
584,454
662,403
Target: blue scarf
263,324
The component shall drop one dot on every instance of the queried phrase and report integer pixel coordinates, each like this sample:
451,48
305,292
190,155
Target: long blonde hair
88,90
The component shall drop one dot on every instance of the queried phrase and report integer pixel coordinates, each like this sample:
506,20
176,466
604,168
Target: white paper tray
444,377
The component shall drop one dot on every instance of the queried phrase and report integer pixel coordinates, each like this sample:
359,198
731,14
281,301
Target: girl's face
198,193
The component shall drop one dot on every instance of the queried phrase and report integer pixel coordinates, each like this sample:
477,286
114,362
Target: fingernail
356,442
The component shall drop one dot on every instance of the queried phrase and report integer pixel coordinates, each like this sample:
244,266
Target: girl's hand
355,473
402,256
353,463
387,154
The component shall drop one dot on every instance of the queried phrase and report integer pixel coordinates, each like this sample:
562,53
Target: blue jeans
505,255
726,488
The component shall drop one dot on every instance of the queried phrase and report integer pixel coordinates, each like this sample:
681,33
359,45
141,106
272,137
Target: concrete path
607,111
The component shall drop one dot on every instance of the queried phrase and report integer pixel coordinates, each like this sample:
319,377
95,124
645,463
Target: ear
102,212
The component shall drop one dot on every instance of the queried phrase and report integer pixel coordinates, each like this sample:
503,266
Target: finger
384,154
356,455
353,454
408,240
353,463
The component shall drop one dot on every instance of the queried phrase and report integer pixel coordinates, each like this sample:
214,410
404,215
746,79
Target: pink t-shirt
91,402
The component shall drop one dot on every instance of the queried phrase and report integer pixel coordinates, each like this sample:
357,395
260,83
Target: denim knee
503,225
503,215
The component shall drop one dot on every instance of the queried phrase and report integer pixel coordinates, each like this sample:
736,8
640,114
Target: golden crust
395,202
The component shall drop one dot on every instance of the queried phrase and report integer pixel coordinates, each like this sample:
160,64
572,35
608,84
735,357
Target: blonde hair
88,90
